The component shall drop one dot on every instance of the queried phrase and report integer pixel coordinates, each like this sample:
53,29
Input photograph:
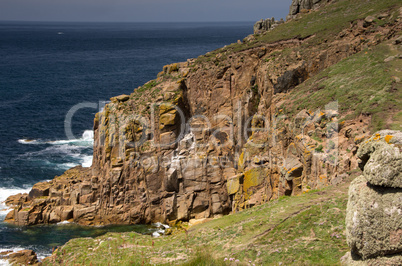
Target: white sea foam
72,148
7,192
87,161
13,249
40,255
88,135
4,194
63,222
156,234
86,139
4,262
161,225
66,166
160,229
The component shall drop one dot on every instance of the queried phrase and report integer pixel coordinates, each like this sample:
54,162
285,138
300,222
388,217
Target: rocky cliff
297,7
304,6
221,133
264,25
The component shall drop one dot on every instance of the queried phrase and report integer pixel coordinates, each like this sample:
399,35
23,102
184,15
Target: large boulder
381,159
40,190
374,211
298,6
353,260
373,219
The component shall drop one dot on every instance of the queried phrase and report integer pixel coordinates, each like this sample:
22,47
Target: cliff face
304,6
210,136
297,7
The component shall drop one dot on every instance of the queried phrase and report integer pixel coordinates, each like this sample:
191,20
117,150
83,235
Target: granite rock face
374,219
297,7
268,24
303,6
381,159
374,211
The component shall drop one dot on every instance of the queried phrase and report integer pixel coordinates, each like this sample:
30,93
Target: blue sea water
48,68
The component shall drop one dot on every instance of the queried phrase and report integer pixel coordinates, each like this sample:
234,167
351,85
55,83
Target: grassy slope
369,89
324,23
303,230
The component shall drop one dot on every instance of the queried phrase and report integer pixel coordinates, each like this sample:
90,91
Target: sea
54,77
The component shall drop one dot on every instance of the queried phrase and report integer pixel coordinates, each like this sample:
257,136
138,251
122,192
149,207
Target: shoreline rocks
23,257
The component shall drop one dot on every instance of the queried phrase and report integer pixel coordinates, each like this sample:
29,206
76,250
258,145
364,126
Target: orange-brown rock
23,257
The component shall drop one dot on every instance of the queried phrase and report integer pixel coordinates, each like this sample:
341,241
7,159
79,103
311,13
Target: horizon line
61,21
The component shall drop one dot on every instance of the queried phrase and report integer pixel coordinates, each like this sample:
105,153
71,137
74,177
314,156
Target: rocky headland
210,136
280,114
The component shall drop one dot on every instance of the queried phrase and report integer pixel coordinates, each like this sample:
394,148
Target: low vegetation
325,24
303,230
370,89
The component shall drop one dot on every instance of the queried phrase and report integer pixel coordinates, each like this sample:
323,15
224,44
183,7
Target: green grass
328,21
369,89
316,138
313,237
324,24
147,86
319,148
303,230
397,125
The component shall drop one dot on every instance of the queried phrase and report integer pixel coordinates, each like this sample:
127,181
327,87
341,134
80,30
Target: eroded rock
381,159
374,210
23,257
373,221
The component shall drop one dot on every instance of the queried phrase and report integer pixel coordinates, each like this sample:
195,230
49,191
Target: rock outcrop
23,257
304,6
374,211
209,136
268,24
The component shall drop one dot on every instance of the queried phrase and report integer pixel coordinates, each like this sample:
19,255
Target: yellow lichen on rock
233,184
168,119
253,178
388,138
241,162
377,137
